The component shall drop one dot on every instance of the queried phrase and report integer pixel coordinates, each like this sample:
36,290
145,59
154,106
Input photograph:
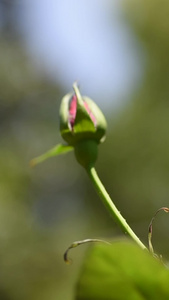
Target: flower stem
111,207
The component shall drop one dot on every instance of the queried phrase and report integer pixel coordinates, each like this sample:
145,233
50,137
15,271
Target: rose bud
82,125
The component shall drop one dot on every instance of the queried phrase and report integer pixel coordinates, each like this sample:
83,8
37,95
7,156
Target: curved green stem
111,207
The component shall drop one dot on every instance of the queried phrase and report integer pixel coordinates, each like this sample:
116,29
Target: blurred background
119,53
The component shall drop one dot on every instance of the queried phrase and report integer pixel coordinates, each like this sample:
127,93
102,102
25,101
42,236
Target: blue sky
85,40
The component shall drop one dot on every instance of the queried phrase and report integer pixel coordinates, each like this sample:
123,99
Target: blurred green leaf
122,271
57,150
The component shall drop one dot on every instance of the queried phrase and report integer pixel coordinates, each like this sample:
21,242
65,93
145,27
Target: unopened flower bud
82,125
81,119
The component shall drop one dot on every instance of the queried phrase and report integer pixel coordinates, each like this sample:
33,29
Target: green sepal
100,133
57,150
83,122
65,130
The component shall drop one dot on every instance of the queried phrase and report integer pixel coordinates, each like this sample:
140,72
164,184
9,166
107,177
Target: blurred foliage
31,265
43,210
136,152
122,271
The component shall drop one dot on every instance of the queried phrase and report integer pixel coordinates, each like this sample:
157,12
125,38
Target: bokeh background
119,53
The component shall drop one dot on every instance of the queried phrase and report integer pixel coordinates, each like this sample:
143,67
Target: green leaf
122,271
57,150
